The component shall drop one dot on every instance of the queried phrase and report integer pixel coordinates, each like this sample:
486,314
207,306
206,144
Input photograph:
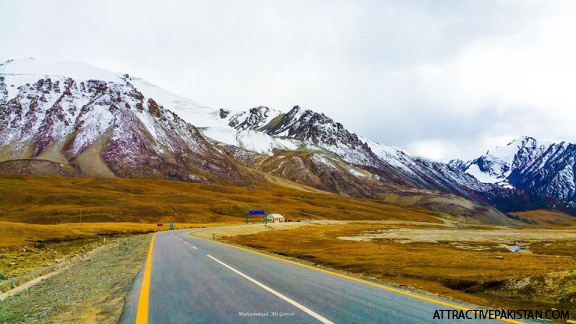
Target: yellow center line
142,313
366,282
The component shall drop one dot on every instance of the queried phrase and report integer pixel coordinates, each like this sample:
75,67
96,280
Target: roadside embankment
92,289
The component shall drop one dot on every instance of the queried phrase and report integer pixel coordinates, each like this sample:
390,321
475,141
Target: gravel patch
92,290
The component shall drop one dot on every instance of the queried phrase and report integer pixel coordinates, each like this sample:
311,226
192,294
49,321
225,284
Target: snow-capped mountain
310,148
73,119
317,132
546,169
308,128
243,129
334,159
496,165
103,124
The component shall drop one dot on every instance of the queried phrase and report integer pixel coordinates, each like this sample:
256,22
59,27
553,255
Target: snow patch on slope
188,110
249,140
20,72
391,155
474,170
496,165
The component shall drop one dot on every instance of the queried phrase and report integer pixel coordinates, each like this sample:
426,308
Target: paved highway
191,280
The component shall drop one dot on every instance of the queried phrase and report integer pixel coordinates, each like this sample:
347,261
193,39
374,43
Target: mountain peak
103,124
497,164
507,153
538,167
523,141
253,119
17,74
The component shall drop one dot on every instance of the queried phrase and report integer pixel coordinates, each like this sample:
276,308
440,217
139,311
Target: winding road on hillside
192,280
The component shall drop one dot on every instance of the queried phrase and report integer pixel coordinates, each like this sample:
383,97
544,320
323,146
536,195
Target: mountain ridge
546,168
130,128
105,128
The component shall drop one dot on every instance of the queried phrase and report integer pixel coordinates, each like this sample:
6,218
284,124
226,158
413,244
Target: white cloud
500,87
536,70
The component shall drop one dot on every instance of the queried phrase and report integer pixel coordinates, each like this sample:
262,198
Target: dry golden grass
26,247
436,267
547,217
43,219
21,234
40,223
45,200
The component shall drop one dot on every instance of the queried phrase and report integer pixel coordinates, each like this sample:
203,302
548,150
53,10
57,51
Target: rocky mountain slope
521,176
74,119
540,169
102,124
310,148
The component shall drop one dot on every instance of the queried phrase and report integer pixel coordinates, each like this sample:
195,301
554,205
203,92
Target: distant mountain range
73,119
540,169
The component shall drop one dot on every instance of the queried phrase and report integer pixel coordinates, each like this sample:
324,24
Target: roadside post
171,225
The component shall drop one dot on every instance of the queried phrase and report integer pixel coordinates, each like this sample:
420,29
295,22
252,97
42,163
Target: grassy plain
468,263
44,219
547,218
44,200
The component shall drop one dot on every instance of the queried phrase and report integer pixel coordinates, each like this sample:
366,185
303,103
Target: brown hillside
46,200
545,217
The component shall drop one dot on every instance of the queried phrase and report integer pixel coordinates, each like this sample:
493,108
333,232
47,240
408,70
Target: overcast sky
440,79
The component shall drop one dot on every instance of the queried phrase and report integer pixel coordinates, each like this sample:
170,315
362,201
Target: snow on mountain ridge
318,133
496,165
253,119
105,129
20,72
540,168
391,155
75,112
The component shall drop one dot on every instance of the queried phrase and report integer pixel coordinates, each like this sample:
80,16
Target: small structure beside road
275,218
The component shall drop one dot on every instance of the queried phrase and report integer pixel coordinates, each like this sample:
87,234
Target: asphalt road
198,281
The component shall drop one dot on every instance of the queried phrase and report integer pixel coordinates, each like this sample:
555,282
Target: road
192,280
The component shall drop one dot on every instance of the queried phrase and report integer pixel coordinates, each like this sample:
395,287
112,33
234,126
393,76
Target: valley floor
466,262
471,263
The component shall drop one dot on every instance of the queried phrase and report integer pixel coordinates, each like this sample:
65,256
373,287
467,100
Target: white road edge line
289,300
